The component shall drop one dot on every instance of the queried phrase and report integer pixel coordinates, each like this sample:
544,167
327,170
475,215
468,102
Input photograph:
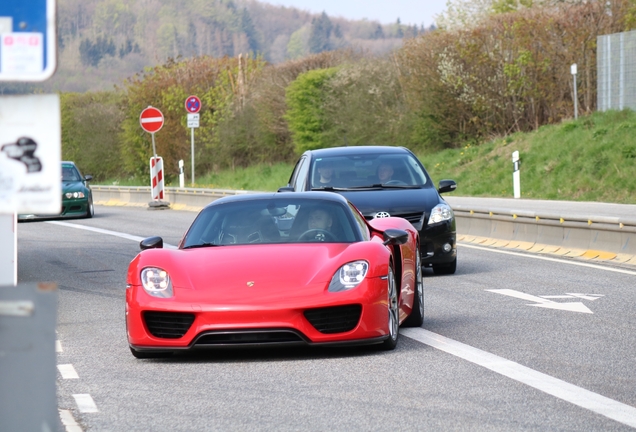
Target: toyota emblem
380,215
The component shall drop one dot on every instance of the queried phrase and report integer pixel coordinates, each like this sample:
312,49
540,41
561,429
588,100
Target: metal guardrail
593,237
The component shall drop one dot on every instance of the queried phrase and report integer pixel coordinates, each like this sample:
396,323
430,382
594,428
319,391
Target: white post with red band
156,178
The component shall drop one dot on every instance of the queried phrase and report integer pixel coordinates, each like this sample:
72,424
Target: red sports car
276,269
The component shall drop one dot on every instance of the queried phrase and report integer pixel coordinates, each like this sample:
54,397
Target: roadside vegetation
444,94
589,159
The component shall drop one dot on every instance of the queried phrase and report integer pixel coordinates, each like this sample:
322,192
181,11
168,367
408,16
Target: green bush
90,132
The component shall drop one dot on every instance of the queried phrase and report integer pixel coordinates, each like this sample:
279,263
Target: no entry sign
151,119
193,104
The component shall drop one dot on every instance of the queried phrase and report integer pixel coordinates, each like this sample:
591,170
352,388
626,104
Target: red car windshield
279,220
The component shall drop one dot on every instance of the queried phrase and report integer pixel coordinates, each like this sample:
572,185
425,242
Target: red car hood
256,273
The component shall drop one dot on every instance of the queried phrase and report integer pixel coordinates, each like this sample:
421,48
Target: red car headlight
156,282
349,276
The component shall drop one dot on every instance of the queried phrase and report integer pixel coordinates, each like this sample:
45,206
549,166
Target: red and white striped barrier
156,178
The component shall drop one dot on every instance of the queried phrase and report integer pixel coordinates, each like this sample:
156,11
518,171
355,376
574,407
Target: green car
77,198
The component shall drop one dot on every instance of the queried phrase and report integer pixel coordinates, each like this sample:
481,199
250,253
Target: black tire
416,318
393,314
90,209
149,354
445,269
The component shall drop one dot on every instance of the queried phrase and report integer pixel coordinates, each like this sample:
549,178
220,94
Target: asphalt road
525,363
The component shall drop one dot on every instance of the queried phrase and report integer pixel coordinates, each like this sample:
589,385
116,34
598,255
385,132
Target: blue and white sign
193,104
27,40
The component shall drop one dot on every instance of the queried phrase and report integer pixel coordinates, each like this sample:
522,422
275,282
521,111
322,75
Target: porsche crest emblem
250,284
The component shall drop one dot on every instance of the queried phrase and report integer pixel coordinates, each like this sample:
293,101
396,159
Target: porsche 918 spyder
276,269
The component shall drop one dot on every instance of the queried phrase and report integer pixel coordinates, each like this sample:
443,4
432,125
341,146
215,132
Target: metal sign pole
192,150
154,150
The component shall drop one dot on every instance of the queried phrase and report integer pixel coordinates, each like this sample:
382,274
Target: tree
320,34
306,114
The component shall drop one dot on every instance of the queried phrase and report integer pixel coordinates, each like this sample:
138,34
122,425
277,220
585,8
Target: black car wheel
90,209
393,313
445,269
416,319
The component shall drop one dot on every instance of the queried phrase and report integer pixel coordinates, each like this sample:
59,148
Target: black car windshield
69,173
367,171
276,220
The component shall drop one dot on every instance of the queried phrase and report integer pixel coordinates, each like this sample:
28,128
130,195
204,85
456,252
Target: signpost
192,106
151,120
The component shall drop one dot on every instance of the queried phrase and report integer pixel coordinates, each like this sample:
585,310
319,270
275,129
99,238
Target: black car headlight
156,282
440,213
70,195
349,276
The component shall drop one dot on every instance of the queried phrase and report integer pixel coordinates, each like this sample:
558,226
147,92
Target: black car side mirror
395,237
151,243
286,189
88,177
447,186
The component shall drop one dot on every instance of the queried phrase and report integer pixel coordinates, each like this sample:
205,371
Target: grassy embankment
590,159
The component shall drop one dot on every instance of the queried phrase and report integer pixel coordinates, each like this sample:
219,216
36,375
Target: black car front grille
168,325
411,217
337,319
249,337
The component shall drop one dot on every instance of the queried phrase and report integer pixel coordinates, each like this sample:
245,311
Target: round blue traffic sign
193,104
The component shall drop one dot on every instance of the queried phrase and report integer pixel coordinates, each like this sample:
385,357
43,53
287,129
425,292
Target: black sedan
383,181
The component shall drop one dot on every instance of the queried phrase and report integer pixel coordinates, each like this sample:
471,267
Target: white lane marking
562,261
67,371
58,346
85,403
107,232
70,425
579,396
543,302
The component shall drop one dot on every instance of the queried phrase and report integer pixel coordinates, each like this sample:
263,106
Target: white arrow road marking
572,307
85,403
590,297
544,302
581,397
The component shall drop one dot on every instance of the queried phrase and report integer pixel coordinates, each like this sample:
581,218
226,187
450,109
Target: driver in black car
385,172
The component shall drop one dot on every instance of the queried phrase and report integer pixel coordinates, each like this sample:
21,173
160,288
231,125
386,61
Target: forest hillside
103,42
